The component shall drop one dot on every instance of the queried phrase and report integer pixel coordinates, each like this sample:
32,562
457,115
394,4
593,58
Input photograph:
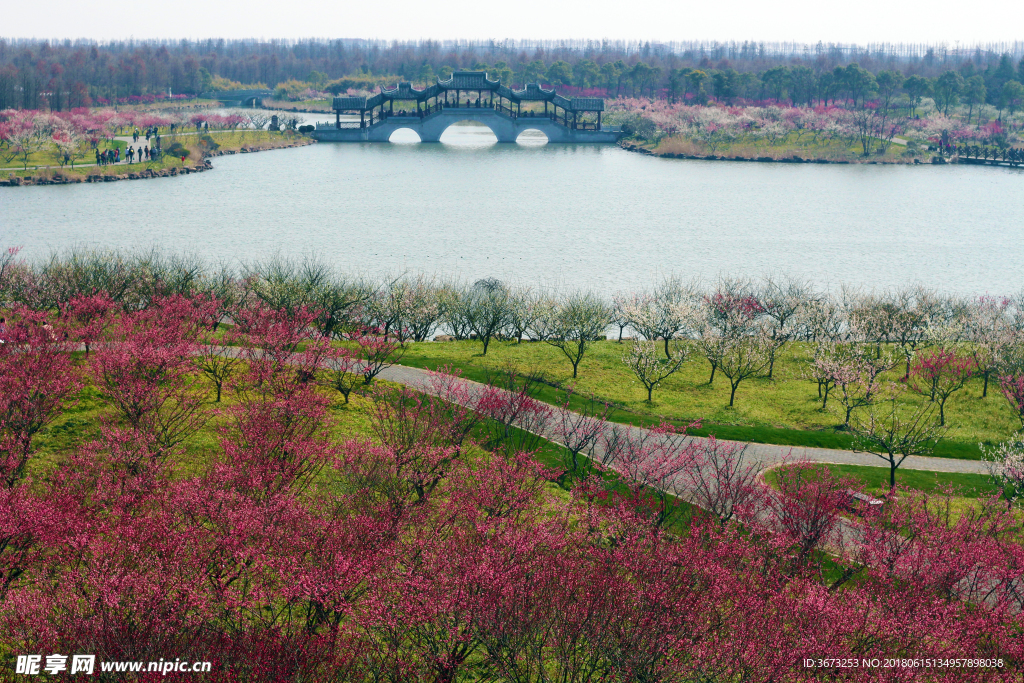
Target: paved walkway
766,455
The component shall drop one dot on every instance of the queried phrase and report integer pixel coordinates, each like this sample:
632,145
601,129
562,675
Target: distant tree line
37,74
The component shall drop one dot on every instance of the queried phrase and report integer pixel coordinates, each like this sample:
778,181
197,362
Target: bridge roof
587,104
468,80
403,91
349,103
533,93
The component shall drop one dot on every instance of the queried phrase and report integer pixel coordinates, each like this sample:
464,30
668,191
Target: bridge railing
1010,155
502,109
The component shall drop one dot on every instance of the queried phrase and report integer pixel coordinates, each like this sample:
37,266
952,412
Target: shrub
207,143
177,150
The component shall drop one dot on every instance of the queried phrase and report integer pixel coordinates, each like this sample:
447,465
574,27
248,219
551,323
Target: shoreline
203,164
795,159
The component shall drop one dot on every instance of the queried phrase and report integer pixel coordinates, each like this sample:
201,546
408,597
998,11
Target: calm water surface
555,214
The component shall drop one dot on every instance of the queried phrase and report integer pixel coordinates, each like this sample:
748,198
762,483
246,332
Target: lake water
596,215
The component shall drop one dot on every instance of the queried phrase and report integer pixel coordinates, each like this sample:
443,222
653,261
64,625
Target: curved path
765,455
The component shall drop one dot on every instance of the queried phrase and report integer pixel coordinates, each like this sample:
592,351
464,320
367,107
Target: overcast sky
800,20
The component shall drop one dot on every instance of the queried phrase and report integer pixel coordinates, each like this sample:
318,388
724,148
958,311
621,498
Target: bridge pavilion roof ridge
472,81
533,93
469,80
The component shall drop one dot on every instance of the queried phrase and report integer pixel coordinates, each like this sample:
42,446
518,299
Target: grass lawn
784,410
49,157
876,480
803,145
228,140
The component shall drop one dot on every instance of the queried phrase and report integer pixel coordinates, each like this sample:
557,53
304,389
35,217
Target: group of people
150,132
113,156
109,156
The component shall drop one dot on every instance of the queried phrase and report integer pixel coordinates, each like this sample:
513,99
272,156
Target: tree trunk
712,380
486,340
732,394
892,475
668,356
650,390
984,390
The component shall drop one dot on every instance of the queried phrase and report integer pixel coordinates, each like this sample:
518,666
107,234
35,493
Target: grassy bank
795,144
225,142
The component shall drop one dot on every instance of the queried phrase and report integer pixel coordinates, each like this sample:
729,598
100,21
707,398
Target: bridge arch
475,134
404,136
252,101
533,137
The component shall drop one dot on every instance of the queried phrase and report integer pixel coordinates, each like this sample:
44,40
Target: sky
807,21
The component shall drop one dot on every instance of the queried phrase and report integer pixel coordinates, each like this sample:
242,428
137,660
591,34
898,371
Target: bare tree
649,367
729,313
989,330
487,309
743,357
620,312
823,319
217,363
523,312
719,480
858,376
900,317
407,307
897,432
663,313
258,119
784,300
341,371
574,324
454,302
579,428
